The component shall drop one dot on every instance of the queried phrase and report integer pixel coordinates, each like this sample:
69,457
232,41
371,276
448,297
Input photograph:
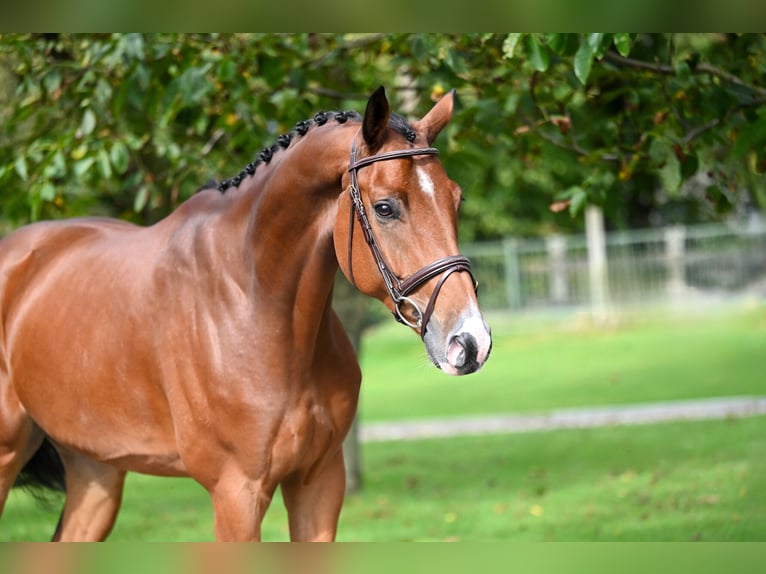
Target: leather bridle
399,290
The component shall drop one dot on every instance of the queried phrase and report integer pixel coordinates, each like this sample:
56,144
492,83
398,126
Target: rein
399,290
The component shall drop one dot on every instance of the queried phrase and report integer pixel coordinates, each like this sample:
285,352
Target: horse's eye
384,210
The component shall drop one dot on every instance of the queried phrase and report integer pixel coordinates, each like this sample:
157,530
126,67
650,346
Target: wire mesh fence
675,264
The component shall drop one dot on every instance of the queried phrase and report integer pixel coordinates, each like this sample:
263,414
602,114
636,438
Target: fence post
597,271
512,273
556,246
675,251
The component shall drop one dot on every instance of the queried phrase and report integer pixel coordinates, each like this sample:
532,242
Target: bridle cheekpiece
399,290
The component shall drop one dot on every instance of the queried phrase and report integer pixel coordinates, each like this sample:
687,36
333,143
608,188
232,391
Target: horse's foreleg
239,504
313,507
93,497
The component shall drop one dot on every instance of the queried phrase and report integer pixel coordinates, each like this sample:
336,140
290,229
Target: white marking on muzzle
473,325
476,326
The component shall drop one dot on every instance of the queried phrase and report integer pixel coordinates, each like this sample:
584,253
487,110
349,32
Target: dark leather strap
398,290
453,262
396,154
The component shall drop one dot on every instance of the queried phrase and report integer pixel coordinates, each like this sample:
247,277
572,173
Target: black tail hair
43,473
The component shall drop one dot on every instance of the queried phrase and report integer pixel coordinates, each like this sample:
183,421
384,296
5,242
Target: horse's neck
291,208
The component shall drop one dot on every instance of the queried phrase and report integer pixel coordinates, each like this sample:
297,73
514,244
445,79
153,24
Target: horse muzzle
464,349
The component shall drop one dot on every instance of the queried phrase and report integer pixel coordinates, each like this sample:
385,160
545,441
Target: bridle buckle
397,289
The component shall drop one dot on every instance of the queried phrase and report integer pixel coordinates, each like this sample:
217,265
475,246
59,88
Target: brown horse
206,346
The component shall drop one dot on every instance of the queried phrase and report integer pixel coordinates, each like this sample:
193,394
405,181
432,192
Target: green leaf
509,45
21,167
103,91
141,199
30,88
133,44
81,167
659,150
120,157
58,164
718,198
271,71
563,44
88,122
597,44
668,166
751,136
47,191
690,165
104,164
420,46
284,98
583,61
52,81
455,62
623,43
537,54
578,201
670,174
79,152
227,68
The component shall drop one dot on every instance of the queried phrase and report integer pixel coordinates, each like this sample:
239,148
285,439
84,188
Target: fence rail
674,264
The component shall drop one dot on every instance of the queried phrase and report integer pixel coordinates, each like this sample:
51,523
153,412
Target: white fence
675,264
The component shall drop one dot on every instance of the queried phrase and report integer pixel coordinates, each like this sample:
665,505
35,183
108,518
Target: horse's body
206,346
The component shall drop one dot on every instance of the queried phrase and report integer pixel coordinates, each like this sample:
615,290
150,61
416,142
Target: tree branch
699,130
615,58
334,94
704,68
574,146
701,68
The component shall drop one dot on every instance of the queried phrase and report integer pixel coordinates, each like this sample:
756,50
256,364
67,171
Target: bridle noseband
398,290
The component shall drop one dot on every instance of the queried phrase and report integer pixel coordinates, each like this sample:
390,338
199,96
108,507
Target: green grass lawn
541,364
674,481
670,482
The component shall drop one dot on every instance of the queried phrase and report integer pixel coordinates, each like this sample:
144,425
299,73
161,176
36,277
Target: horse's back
45,240
36,258
69,330
55,275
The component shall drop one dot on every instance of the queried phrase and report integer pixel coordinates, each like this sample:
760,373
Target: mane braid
396,122
284,141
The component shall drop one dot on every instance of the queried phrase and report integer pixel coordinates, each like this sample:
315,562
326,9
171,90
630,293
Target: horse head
399,241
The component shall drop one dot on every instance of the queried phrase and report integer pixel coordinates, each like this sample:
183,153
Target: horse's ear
375,123
439,116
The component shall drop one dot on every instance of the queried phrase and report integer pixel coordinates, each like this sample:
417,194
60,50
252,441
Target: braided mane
396,122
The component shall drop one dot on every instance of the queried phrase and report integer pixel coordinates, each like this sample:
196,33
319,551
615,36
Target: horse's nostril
462,351
456,353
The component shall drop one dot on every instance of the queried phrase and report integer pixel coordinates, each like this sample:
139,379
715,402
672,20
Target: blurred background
614,217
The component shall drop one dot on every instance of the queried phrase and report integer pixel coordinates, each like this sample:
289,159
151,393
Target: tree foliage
657,128
132,124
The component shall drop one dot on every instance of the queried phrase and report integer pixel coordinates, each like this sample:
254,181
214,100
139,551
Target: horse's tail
43,472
